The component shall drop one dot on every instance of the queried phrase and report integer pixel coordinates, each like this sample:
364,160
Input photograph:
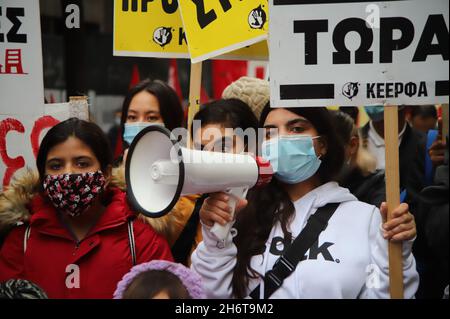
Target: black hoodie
432,245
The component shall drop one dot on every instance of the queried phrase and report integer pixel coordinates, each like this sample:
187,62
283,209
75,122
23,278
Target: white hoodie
350,260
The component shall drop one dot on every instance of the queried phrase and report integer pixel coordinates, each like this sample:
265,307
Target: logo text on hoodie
279,245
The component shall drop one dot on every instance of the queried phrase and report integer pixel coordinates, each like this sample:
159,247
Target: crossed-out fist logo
257,18
350,90
162,36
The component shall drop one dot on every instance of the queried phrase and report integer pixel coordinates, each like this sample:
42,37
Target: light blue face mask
375,112
293,158
133,129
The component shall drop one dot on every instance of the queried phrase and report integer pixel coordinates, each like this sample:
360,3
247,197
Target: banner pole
393,197
444,122
194,94
79,107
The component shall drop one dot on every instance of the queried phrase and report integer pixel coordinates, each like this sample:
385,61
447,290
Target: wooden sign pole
393,197
444,122
79,107
194,94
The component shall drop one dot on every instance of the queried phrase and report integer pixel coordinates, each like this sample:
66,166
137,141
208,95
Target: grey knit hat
253,91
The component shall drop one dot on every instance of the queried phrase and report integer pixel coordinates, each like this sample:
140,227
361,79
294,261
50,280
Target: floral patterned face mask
73,194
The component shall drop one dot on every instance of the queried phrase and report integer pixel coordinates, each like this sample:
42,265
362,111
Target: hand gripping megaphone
158,170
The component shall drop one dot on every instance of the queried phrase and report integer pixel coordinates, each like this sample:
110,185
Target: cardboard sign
155,29
257,51
21,75
21,85
359,52
149,29
216,27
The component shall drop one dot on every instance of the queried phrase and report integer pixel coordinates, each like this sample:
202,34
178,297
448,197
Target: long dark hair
89,133
272,204
345,126
169,104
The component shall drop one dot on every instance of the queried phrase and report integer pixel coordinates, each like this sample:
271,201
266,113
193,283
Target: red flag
225,72
174,79
260,72
135,79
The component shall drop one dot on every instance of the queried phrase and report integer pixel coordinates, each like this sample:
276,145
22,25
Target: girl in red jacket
75,235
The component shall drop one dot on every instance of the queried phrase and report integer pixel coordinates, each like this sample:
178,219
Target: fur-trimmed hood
16,197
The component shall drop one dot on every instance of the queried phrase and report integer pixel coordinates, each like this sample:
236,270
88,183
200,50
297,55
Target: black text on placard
204,17
435,28
13,35
169,6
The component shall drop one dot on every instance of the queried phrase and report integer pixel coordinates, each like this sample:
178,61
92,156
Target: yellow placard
216,27
149,29
141,31
257,51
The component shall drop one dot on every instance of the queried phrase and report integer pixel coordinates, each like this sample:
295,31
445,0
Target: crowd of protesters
68,229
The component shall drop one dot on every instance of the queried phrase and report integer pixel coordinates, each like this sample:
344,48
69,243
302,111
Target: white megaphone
158,171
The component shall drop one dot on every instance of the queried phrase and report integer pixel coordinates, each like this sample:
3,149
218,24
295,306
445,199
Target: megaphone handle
236,194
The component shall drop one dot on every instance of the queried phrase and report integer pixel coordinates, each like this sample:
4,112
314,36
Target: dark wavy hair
89,133
272,204
345,126
230,113
169,104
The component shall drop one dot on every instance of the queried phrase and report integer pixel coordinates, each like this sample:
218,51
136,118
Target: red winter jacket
55,262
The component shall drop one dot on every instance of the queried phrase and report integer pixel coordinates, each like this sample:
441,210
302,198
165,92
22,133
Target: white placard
21,75
353,52
22,118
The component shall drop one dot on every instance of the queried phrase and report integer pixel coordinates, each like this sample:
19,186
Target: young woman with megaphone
160,171
221,116
342,246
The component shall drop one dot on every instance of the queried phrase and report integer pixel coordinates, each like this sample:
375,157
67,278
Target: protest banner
22,87
214,28
149,29
155,29
24,118
21,58
359,52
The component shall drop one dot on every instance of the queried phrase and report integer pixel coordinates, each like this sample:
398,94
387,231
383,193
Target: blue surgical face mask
293,158
375,112
133,129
